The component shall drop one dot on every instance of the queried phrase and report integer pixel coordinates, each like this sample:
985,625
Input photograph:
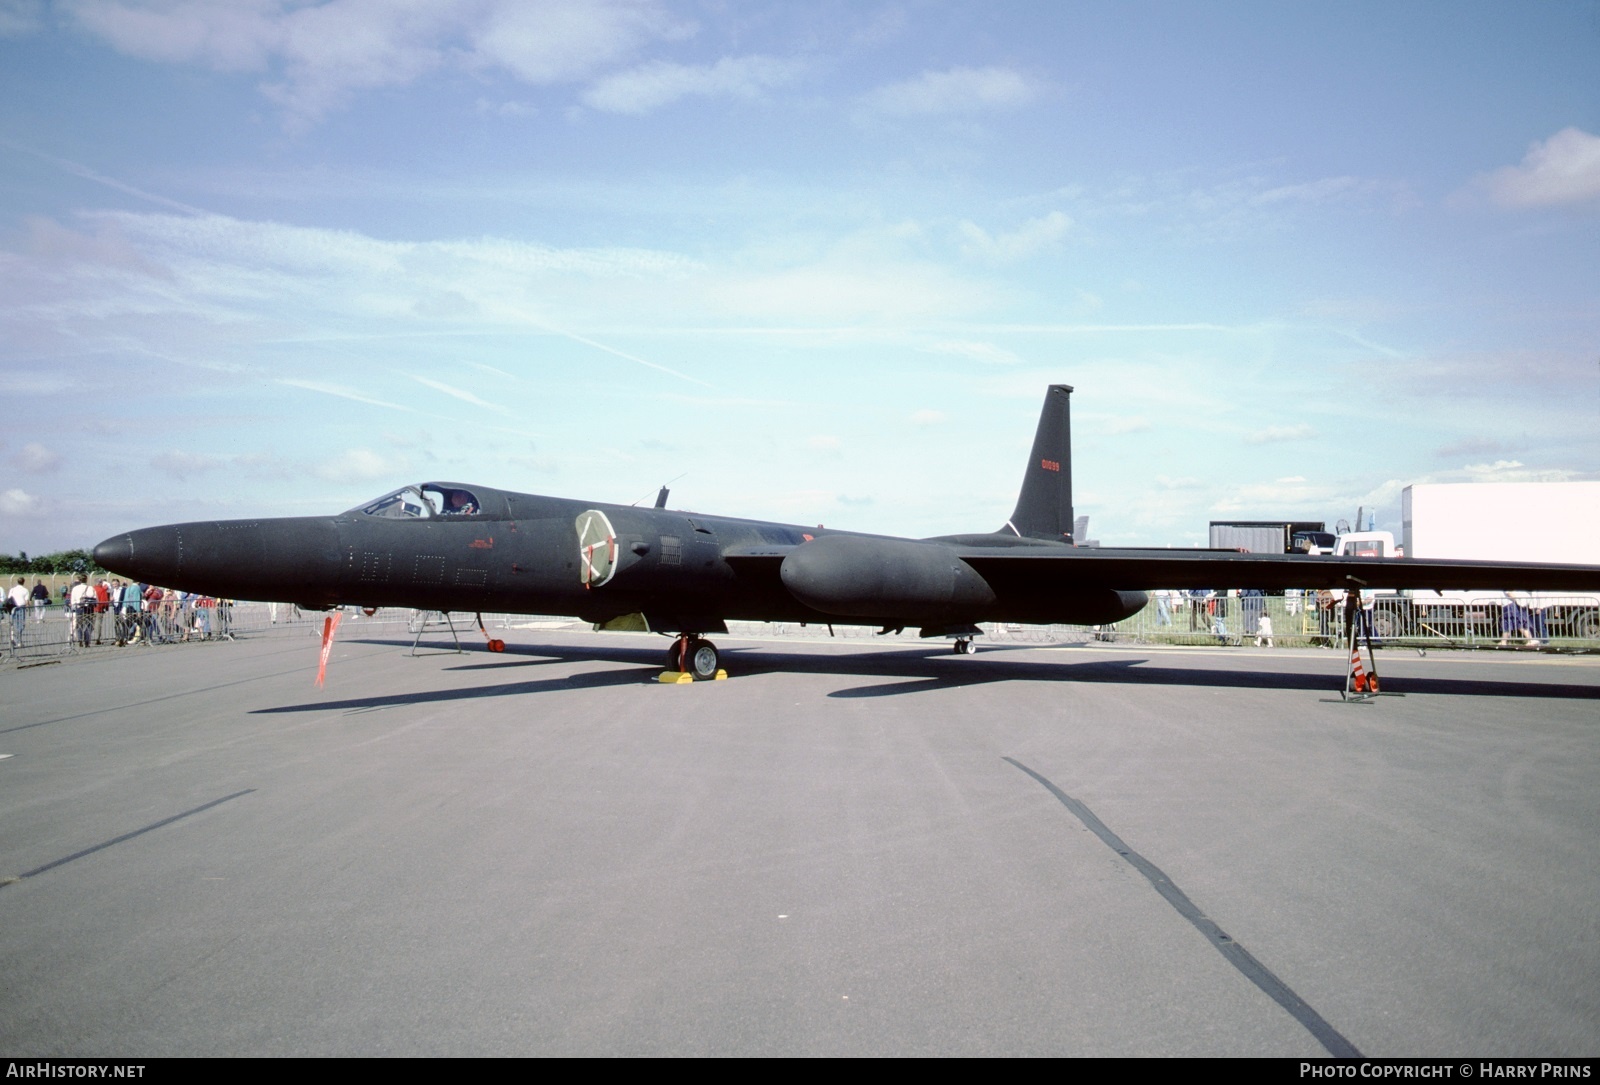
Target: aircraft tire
964,647
703,660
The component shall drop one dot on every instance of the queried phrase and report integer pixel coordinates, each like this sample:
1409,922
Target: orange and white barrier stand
1358,676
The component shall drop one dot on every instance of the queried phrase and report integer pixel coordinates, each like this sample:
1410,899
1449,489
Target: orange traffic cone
1357,672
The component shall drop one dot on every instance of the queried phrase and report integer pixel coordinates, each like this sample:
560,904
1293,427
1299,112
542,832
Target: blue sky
819,259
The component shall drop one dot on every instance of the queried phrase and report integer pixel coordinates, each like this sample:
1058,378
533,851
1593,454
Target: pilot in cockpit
460,503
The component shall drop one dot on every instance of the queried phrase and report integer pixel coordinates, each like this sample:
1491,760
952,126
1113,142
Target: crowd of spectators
114,611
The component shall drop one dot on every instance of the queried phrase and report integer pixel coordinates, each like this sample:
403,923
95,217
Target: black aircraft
455,547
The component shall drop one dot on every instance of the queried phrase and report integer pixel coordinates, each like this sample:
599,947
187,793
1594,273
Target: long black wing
1068,568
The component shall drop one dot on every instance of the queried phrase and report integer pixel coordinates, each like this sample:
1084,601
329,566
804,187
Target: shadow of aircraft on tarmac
929,669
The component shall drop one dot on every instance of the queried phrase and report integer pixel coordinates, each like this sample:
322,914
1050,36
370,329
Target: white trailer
1545,522
1548,522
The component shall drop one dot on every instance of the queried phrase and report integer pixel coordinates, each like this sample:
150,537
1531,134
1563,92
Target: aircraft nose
114,553
150,554
297,558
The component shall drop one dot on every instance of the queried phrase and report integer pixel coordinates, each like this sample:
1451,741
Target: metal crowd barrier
1474,621
57,632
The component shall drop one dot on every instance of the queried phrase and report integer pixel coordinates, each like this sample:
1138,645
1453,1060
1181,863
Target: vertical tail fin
1044,507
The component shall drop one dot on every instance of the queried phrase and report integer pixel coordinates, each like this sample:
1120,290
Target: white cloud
1204,206
1516,471
360,464
874,288
18,503
955,91
987,353
212,255
1319,191
521,257
35,458
103,247
1474,446
314,56
1131,424
824,442
236,295
507,109
660,83
181,464
1089,301
19,17
556,41
1284,497
1563,170
34,384
200,282
1025,240
927,417
330,51
1271,434
221,34
801,504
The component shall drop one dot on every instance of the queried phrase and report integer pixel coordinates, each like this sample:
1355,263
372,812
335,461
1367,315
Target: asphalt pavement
844,849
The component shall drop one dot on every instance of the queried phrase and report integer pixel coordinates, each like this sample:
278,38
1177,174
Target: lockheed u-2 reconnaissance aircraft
454,547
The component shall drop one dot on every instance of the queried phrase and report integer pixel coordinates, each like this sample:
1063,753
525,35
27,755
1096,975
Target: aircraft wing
1048,568
1052,568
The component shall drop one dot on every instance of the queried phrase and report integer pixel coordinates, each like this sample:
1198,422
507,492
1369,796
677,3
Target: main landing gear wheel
696,656
702,660
964,647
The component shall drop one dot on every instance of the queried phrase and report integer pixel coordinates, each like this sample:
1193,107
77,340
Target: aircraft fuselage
521,553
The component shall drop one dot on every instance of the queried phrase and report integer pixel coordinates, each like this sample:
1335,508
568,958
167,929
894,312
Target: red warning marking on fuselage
1050,465
482,544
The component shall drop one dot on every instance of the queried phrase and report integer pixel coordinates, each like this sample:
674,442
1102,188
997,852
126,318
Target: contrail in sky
77,169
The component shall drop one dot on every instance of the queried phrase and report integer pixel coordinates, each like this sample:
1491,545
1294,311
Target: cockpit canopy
426,501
